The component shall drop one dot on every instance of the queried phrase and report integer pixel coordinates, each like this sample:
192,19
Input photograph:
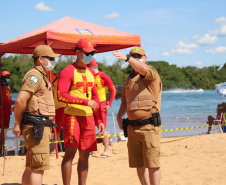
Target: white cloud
182,45
207,39
218,50
197,63
220,20
221,31
165,53
182,51
42,7
113,15
195,37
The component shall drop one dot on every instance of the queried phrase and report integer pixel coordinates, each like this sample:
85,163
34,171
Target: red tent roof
62,36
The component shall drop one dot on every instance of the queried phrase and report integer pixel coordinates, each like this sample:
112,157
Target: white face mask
87,59
7,80
50,66
141,60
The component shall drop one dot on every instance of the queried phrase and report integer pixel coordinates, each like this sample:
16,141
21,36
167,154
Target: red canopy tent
62,36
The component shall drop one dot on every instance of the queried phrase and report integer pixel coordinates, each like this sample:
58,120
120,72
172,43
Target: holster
124,126
38,131
38,122
156,119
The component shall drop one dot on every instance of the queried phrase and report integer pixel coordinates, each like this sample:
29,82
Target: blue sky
188,32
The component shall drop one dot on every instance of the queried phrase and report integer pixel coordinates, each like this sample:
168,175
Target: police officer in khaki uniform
141,100
34,111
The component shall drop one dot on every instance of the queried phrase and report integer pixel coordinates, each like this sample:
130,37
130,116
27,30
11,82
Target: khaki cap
137,50
44,50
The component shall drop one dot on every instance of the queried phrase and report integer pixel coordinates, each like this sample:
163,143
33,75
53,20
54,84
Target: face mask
50,66
7,80
87,59
141,60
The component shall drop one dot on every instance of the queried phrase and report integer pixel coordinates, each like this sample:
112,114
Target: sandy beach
198,160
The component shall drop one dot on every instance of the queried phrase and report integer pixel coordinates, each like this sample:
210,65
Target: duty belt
154,120
141,122
30,119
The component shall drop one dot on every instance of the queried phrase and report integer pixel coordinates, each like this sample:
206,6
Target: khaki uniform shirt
42,101
154,86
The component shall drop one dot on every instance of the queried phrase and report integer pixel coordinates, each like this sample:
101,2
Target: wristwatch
128,57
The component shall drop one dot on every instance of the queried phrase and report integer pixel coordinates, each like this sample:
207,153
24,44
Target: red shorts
103,113
79,132
59,118
6,118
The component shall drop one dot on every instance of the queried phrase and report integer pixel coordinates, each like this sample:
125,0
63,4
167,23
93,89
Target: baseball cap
4,73
137,50
93,63
44,50
86,45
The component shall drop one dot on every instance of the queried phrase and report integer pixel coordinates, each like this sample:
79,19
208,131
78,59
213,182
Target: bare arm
121,113
19,108
138,66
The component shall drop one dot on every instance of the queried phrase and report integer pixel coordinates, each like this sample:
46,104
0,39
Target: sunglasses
91,53
49,58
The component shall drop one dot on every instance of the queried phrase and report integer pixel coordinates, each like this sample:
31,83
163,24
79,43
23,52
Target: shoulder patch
34,79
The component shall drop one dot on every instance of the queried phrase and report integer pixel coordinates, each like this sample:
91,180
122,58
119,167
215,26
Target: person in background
6,101
221,108
103,82
77,88
59,107
141,100
34,111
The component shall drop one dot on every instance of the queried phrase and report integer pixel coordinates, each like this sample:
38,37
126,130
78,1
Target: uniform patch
136,86
135,49
34,79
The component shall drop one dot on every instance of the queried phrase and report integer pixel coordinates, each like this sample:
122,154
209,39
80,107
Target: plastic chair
220,122
16,141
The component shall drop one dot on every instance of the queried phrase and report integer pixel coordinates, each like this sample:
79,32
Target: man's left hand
101,128
106,108
16,130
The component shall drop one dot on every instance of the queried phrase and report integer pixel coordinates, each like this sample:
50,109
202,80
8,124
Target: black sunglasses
91,53
50,58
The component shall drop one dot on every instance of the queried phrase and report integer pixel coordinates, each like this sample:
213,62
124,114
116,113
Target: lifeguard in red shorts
6,98
103,82
77,88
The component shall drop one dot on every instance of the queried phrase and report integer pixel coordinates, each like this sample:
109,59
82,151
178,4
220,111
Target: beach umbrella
221,89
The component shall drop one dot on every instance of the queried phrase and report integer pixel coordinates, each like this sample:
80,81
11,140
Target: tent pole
2,147
49,42
1,111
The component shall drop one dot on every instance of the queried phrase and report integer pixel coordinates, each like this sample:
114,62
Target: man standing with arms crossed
36,98
141,100
103,82
77,88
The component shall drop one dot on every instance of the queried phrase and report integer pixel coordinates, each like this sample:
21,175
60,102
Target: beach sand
198,160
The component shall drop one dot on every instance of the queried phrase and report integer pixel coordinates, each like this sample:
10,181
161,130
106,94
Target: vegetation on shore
172,76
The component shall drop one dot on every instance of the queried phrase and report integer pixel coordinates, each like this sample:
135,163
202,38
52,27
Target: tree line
172,76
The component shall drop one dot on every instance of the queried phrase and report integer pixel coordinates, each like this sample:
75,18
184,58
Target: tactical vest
83,84
41,104
138,96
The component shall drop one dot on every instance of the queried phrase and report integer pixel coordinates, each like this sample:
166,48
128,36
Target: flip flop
104,155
